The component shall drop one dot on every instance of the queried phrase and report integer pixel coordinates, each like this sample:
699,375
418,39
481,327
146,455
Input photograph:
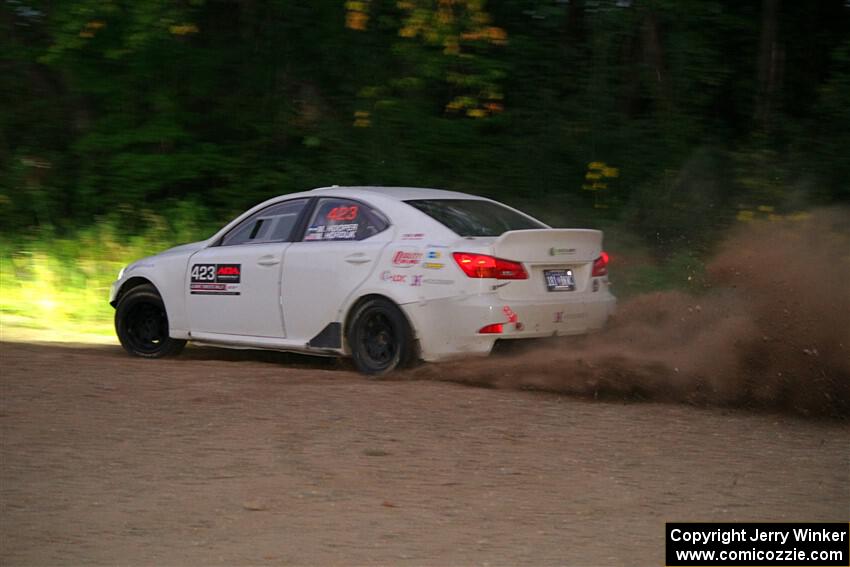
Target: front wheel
142,324
380,337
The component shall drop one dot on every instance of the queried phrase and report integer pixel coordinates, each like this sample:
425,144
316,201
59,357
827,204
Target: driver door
233,288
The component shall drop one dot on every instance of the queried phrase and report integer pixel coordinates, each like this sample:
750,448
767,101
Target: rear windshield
468,217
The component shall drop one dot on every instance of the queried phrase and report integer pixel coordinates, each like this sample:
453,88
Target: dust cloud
772,331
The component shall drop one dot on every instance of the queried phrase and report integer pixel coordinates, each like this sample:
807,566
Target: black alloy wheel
380,337
142,324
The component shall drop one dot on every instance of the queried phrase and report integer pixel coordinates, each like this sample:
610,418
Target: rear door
233,288
341,246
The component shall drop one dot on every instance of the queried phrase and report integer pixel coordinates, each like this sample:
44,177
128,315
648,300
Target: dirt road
230,458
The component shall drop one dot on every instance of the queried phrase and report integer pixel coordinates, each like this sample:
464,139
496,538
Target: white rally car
382,274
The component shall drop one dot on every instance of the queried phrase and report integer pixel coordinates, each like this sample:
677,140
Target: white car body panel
160,270
319,278
289,292
256,310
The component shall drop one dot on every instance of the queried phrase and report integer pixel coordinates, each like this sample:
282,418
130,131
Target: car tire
380,337
142,324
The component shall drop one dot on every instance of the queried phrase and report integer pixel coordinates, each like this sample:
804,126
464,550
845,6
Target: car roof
385,195
396,193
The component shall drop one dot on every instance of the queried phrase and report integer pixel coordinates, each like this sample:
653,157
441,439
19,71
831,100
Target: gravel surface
242,458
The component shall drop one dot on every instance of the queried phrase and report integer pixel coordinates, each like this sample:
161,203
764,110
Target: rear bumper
448,328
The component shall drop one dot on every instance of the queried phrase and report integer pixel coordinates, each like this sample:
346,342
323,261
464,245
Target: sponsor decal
228,273
388,276
333,232
433,265
416,281
209,286
435,281
413,236
215,279
405,259
315,232
434,254
341,232
561,251
436,246
558,317
509,313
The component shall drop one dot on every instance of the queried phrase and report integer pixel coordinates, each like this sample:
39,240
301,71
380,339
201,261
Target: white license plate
560,280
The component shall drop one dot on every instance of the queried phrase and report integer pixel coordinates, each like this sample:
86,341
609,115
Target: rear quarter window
344,219
472,217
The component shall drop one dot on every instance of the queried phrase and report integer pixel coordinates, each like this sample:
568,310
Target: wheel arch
352,309
131,283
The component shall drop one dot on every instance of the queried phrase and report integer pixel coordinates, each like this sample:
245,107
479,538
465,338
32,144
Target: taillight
600,266
483,266
494,329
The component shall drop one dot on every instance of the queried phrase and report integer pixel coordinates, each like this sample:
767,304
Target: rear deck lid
559,262
549,245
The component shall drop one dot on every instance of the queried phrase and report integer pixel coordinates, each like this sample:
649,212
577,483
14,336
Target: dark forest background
699,107
670,119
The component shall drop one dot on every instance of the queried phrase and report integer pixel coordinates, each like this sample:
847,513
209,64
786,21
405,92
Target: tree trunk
654,57
770,65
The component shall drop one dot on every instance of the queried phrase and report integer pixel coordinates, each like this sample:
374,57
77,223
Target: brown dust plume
772,331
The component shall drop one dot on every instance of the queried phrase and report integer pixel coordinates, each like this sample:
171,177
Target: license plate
560,280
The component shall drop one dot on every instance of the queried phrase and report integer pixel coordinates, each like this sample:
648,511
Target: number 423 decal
343,213
215,279
203,273
223,273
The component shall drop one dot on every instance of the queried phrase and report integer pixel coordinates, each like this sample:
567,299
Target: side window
342,219
272,224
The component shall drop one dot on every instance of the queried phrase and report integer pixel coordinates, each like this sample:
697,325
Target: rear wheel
380,337
142,324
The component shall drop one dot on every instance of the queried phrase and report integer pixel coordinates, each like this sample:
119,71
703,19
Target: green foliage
683,270
60,286
119,104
